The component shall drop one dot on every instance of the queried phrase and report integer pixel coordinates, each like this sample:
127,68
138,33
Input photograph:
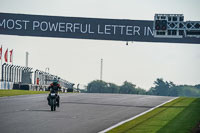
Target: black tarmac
78,112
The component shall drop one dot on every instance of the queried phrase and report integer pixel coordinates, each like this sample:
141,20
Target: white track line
122,122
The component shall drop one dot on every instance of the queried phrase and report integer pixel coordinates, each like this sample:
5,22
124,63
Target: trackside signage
82,28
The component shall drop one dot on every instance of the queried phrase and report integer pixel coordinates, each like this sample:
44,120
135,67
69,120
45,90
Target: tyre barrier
70,90
24,87
16,86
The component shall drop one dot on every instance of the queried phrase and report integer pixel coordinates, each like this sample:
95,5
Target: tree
112,88
128,88
141,91
173,89
161,87
151,91
97,86
197,86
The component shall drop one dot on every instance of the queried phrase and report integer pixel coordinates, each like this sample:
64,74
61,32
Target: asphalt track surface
78,113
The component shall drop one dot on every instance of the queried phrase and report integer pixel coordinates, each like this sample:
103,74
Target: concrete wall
4,85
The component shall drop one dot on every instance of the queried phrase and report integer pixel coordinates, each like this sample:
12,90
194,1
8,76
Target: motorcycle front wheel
53,104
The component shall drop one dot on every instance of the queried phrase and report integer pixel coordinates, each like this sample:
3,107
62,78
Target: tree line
99,86
161,88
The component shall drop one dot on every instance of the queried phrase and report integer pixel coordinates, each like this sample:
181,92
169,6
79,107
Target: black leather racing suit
54,87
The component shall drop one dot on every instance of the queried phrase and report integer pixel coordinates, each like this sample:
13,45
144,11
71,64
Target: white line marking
134,117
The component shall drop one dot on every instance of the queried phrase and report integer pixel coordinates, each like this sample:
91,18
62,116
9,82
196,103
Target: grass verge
4,93
178,116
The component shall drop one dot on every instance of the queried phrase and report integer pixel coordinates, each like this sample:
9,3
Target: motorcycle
53,100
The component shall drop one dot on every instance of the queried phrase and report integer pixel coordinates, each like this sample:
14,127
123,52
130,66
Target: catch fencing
19,77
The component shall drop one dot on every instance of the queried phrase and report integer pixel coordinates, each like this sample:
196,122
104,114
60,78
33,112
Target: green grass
4,93
178,116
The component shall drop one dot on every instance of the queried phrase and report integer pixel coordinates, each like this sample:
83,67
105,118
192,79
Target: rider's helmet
55,80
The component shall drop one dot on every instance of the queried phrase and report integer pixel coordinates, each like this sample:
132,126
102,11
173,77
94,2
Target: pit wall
4,85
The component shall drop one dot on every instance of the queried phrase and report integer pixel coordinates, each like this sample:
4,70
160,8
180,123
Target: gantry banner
83,28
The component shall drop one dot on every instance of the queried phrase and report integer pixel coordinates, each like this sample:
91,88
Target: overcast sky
78,60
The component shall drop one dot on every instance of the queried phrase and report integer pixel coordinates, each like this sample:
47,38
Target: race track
78,113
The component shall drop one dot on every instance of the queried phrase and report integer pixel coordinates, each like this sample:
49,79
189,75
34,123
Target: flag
0,52
6,56
11,53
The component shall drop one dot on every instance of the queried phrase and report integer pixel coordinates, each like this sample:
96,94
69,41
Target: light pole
27,59
46,74
47,69
101,71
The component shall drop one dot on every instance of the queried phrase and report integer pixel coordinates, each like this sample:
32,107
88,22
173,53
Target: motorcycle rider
54,87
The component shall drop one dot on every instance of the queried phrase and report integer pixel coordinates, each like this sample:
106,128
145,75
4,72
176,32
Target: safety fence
18,77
